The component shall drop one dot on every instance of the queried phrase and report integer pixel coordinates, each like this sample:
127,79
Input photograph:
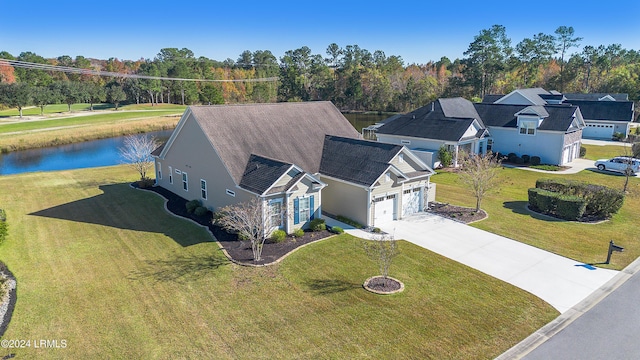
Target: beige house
301,158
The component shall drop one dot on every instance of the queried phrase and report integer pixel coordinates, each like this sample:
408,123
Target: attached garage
411,201
385,208
598,131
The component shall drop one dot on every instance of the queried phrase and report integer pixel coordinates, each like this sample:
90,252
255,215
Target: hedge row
3,225
601,201
565,207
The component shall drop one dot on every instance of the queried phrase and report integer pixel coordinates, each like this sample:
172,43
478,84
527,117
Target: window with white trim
275,213
528,127
405,142
387,177
230,193
185,181
401,158
159,171
304,209
170,175
203,189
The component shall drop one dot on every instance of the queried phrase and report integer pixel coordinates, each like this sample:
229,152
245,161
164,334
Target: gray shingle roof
289,132
435,124
354,160
491,98
500,115
596,96
261,172
605,110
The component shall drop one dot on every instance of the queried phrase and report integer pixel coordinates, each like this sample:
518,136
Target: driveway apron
559,281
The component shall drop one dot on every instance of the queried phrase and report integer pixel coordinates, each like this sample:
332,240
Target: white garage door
384,209
410,202
598,131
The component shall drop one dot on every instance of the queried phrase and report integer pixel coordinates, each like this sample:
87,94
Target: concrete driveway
559,281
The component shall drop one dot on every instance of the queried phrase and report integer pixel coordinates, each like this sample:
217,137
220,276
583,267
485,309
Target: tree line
351,77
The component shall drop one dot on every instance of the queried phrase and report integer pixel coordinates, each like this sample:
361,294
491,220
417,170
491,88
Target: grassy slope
104,267
595,152
583,242
63,108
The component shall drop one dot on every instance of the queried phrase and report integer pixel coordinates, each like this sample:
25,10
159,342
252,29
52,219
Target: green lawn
105,268
583,242
595,152
63,108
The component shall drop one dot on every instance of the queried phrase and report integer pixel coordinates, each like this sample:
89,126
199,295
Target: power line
72,70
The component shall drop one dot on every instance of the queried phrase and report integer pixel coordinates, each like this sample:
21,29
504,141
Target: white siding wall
340,198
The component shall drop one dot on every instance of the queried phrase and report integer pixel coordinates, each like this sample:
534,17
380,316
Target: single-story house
300,159
453,123
552,132
604,114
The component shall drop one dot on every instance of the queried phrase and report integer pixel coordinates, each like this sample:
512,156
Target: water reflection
64,157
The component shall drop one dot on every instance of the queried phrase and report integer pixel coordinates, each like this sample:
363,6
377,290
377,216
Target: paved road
604,326
560,281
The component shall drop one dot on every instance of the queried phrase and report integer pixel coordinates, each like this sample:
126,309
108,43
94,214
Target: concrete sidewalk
560,281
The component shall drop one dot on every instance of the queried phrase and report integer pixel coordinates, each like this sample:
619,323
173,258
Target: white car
619,164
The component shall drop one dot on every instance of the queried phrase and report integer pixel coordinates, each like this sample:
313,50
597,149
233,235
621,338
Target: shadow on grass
181,269
326,287
520,207
122,207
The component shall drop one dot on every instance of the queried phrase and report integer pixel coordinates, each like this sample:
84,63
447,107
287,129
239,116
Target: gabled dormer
607,98
530,118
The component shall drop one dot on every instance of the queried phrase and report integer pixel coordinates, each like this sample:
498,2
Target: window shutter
311,208
296,211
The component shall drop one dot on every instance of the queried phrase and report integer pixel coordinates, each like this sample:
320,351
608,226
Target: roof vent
414,116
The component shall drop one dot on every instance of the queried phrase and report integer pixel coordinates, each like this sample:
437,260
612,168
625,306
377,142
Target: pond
103,152
86,154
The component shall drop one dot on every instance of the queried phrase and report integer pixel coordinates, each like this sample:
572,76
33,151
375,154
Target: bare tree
252,220
137,153
381,249
479,173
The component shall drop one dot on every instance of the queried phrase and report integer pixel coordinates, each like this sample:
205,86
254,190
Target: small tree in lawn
137,153
250,220
115,95
479,173
381,249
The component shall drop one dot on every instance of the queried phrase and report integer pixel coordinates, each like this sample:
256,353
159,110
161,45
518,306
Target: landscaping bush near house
278,235
600,201
583,151
337,230
317,225
298,233
348,221
200,211
526,158
618,136
3,225
145,183
193,205
445,156
535,160
546,167
566,207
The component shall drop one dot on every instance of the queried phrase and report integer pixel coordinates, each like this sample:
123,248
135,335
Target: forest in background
353,78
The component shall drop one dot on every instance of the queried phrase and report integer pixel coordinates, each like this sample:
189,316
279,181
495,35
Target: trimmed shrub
583,151
298,233
376,230
618,136
336,230
278,235
542,201
518,160
348,221
570,207
317,225
193,205
526,158
535,160
201,211
4,227
146,183
600,201
445,156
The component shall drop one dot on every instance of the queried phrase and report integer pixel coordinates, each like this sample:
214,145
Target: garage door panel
384,209
410,202
602,131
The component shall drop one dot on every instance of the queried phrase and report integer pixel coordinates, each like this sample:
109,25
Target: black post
613,247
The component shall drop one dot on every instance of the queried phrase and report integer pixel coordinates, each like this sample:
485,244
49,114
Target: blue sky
418,31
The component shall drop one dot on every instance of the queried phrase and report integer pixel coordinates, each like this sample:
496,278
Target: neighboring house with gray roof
292,156
604,114
453,123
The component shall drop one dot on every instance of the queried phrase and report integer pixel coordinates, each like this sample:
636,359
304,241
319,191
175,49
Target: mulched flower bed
382,285
238,250
457,213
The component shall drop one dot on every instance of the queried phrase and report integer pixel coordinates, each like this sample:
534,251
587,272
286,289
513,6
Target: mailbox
613,247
